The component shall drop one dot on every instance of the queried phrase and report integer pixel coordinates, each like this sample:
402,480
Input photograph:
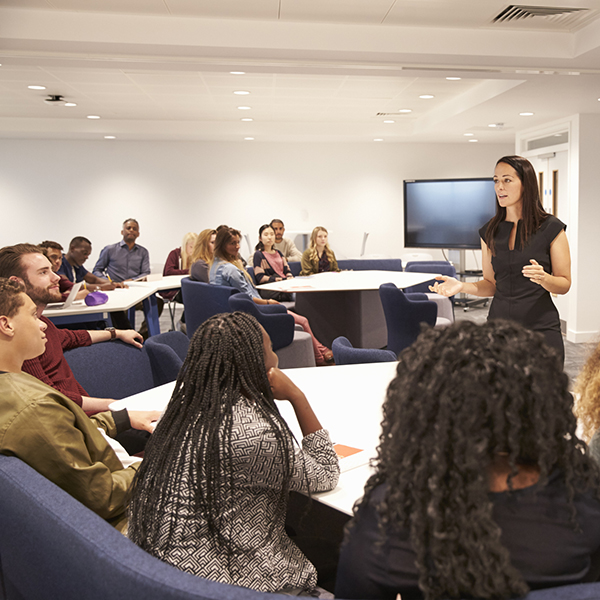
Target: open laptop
70,298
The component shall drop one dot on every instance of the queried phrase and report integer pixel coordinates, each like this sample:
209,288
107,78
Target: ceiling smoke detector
54,99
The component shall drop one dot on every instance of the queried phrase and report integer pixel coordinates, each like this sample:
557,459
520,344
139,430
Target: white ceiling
316,70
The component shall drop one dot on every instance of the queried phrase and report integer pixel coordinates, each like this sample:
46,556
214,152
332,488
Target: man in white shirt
284,245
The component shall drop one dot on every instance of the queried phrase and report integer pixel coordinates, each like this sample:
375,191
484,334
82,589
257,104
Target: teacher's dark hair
533,212
461,396
225,361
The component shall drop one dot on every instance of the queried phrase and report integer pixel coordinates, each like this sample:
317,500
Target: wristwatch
113,333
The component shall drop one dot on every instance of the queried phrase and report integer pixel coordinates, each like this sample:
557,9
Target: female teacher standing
525,255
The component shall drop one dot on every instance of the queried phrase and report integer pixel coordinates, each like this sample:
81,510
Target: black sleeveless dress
517,297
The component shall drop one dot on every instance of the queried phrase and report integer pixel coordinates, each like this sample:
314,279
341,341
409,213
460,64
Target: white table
346,303
346,399
120,299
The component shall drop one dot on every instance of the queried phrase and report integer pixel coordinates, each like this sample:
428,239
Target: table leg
151,314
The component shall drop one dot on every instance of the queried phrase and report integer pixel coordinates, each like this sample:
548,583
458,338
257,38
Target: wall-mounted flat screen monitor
447,213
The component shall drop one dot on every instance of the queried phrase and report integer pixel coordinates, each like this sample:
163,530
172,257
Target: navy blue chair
295,268
404,315
166,352
278,324
111,369
345,353
202,301
429,266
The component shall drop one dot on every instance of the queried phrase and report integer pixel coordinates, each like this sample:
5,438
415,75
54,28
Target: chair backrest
53,547
250,271
370,264
295,267
430,266
202,301
111,369
166,352
404,315
345,354
279,326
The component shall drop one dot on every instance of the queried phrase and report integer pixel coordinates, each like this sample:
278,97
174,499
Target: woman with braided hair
481,488
211,495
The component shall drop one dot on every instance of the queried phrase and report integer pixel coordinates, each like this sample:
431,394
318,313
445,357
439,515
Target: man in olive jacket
49,431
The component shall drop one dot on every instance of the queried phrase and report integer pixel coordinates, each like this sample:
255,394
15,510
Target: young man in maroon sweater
28,264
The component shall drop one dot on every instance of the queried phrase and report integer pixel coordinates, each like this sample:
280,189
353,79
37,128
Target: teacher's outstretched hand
449,286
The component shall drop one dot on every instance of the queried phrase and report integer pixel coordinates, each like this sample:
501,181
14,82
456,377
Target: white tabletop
119,299
348,281
346,399
166,282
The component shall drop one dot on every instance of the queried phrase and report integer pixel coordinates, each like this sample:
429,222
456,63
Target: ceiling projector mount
54,99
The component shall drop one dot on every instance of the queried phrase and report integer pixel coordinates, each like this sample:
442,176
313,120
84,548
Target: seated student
318,257
226,269
285,245
211,495
48,431
270,264
587,407
481,488
72,267
179,259
53,252
28,264
202,255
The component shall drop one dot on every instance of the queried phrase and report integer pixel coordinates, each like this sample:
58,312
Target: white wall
58,189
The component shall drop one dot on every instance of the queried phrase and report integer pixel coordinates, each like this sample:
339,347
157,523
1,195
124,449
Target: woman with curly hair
211,495
227,269
202,255
481,488
525,255
587,407
318,257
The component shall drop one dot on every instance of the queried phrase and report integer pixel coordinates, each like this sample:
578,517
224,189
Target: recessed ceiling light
248,119
405,110
473,140
36,87
70,104
468,134
93,117
243,108
453,78
249,138
241,93
110,137
526,114
558,135
389,121
426,96
237,72
492,125
378,140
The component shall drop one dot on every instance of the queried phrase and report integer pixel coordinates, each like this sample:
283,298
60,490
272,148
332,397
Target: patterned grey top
267,564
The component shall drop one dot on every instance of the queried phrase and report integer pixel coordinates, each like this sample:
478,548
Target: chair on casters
294,348
202,301
167,352
345,354
404,315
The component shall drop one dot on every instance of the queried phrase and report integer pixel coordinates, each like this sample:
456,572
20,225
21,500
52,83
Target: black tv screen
447,213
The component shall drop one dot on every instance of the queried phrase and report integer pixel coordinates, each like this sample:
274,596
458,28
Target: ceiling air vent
516,12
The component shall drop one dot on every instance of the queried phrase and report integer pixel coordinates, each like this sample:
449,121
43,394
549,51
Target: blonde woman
202,255
587,407
178,263
318,257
